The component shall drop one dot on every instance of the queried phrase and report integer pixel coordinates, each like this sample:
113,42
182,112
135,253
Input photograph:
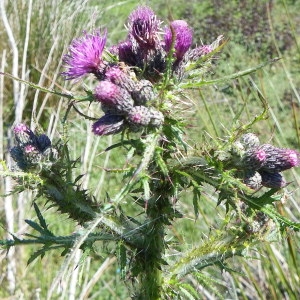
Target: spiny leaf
185,290
209,282
41,219
122,256
35,226
196,197
160,162
78,178
36,254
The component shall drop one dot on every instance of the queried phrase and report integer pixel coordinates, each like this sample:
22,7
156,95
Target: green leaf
35,226
196,197
229,77
36,254
38,87
160,162
41,219
122,256
188,291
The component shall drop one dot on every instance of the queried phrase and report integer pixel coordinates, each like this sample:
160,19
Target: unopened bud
272,180
108,124
114,96
24,135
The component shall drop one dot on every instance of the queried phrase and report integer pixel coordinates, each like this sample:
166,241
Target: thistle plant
141,86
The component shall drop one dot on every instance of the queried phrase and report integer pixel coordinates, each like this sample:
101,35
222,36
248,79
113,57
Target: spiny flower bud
18,156
43,142
254,158
32,154
32,150
24,135
278,160
143,92
253,180
108,124
198,52
272,180
249,140
114,96
139,115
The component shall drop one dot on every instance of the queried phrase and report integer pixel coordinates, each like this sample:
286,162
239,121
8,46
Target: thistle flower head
144,27
30,149
108,124
254,158
249,140
252,179
183,38
203,50
143,92
139,115
43,142
126,53
142,116
198,52
113,96
279,159
18,156
85,56
24,135
272,180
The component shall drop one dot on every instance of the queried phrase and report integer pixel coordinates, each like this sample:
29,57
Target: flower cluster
129,71
263,164
32,150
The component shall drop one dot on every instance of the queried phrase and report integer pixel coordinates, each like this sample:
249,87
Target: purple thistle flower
108,124
143,27
272,180
127,54
85,56
278,159
113,96
28,149
182,40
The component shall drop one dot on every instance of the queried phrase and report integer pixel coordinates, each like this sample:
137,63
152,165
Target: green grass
272,270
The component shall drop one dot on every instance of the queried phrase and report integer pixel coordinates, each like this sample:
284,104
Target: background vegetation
36,35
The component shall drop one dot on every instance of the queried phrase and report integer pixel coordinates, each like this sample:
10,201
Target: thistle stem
151,256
